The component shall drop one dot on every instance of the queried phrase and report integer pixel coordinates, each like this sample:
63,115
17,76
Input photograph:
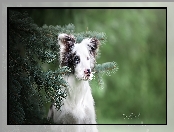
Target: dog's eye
76,59
87,58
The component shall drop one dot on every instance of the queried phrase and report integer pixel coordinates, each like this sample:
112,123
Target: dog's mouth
88,77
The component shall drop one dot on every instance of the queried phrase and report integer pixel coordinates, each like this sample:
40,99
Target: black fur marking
76,59
67,55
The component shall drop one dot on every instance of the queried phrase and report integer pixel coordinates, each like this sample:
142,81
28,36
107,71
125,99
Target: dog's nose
87,71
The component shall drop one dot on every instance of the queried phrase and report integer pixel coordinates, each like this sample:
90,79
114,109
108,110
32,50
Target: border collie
78,107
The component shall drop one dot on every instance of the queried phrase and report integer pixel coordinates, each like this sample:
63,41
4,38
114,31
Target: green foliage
30,85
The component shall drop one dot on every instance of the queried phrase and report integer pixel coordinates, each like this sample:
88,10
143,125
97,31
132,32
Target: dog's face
79,57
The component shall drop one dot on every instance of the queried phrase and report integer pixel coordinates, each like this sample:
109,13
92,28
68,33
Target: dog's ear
66,43
92,45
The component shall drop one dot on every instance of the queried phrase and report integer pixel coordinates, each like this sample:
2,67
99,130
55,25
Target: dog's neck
77,90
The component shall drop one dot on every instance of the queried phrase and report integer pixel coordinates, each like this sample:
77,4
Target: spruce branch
107,66
100,69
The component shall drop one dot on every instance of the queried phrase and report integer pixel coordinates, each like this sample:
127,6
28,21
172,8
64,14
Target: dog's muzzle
87,74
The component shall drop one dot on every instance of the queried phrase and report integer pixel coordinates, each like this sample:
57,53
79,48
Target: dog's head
79,57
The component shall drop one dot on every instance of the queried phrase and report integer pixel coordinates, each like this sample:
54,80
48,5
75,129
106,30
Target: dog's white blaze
82,51
87,42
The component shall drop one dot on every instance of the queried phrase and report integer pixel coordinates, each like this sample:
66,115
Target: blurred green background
136,41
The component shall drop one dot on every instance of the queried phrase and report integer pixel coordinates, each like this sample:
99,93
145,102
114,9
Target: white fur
78,107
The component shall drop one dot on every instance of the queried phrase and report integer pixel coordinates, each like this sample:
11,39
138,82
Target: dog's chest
79,114
78,107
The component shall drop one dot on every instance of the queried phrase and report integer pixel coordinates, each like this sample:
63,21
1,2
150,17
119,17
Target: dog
78,107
